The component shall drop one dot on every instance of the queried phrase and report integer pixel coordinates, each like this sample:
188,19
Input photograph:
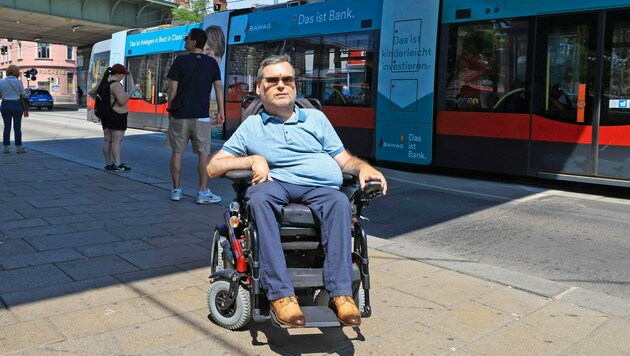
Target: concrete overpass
78,23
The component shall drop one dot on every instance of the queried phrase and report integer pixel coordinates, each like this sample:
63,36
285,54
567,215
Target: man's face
277,87
189,44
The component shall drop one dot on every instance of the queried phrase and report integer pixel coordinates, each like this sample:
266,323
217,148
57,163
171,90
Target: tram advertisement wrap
404,109
322,18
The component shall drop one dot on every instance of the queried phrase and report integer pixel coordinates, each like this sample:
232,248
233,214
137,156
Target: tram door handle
581,102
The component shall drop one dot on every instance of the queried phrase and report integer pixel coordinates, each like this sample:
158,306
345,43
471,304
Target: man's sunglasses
276,80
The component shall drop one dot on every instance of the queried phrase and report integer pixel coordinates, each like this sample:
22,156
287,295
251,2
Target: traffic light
4,50
27,74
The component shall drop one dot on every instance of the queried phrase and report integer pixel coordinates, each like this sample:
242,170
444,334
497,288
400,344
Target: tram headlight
235,207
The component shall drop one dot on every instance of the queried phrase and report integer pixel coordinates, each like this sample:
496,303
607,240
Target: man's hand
367,173
260,170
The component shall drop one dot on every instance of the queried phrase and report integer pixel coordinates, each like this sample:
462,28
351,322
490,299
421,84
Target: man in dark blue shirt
192,77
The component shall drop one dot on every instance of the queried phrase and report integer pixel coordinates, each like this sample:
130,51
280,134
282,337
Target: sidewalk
96,263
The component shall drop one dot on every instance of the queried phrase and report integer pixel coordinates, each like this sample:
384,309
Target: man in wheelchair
296,157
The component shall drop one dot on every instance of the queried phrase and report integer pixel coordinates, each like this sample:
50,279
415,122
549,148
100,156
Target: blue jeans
265,202
11,113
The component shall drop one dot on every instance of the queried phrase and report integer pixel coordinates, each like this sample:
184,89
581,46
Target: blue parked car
39,98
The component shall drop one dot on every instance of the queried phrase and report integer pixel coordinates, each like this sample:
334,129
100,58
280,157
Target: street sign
33,71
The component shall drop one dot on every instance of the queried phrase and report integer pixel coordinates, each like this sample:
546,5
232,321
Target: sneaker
110,167
19,149
176,194
121,168
6,149
206,197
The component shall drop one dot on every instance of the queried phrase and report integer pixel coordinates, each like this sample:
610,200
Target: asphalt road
528,236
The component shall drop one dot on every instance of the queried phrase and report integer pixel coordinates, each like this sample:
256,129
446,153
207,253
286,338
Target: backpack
103,105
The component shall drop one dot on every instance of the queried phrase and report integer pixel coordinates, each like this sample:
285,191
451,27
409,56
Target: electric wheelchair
235,294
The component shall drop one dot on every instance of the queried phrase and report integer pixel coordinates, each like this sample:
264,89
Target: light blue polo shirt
298,151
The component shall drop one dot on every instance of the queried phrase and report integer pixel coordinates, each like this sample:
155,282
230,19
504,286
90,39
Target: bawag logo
260,27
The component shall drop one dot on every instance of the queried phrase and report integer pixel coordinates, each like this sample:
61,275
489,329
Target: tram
536,89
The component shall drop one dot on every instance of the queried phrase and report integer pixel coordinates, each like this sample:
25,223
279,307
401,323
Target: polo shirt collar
301,116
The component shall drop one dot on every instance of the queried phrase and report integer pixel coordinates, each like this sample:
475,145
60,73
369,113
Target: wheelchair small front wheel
233,316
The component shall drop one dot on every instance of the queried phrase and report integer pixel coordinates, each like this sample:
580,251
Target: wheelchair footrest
306,277
319,317
315,317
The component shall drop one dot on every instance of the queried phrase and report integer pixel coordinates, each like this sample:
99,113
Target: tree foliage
197,11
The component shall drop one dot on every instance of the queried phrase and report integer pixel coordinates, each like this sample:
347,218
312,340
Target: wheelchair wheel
236,315
321,298
217,257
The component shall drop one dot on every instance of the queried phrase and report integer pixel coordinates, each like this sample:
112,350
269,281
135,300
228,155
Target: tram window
321,65
346,69
616,82
97,68
487,64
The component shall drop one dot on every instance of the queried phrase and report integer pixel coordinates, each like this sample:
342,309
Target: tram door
564,121
613,151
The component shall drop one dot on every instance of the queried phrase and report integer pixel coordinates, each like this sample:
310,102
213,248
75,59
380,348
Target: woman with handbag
115,123
12,94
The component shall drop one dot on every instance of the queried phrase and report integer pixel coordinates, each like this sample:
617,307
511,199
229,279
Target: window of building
487,65
43,50
69,50
19,45
70,83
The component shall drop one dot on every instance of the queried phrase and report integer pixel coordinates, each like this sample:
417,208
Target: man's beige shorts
181,130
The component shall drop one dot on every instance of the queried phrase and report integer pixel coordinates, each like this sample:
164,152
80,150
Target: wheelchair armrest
239,175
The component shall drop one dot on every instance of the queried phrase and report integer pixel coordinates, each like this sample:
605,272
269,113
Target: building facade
56,66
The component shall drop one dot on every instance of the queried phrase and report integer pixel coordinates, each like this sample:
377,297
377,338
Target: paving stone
398,308
61,202
566,320
517,339
22,224
69,219
99,319
155,336
467,321
7,317
96,267
172,302
149,282
26,335
44,212
512,301
71,239
89,345
113,248
31,277
414,339
170,240
45,230
8,215
14,247
40,258
166,256
58,298
135,232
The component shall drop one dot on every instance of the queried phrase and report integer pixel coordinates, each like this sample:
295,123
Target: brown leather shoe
288,312
347,312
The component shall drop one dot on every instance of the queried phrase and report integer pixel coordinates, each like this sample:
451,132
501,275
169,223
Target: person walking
11,91
192,77
114,125
80,95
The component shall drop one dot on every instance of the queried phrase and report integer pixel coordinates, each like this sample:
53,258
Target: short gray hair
273,59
